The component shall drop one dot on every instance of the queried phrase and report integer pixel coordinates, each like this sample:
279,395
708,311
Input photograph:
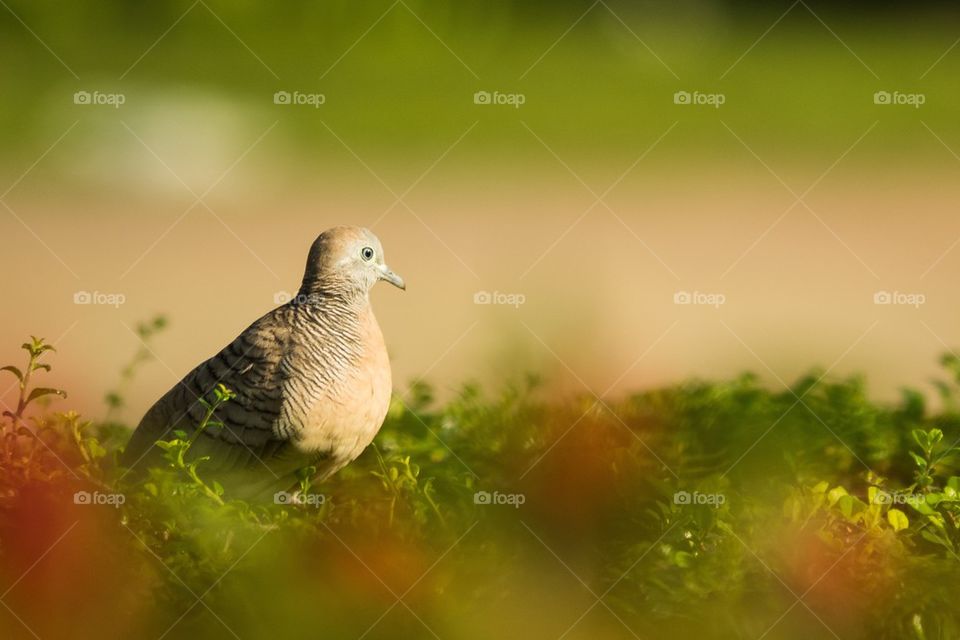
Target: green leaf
918,459
39,392
113,400
96,449
835,494
954,483
37,346
920,437
936,538
897,519
12,369
921,506
682,559
846,503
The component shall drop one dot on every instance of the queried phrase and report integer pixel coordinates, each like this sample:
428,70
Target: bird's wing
251,367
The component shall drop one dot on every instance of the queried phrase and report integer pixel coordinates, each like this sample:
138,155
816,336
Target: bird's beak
391,277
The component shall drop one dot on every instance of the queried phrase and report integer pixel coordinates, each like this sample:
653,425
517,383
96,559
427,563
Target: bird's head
348,259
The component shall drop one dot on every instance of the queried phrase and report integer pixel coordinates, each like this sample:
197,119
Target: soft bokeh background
597,200
199,196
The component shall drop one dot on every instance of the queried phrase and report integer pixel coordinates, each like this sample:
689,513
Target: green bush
708,509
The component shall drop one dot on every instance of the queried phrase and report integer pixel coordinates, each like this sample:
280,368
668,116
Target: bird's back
251,367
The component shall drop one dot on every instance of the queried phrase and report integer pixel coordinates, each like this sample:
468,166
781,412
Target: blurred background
591,166
618,196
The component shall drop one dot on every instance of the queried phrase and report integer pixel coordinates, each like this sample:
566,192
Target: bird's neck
332,292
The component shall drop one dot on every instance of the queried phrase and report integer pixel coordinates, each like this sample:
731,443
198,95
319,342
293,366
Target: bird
310,381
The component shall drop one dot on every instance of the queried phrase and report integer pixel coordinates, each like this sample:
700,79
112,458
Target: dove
311,379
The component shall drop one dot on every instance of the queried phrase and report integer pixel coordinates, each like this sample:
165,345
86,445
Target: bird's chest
344,413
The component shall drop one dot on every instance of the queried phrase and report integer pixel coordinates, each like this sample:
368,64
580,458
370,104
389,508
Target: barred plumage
311,378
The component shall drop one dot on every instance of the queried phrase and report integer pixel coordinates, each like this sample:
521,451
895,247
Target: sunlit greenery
714,507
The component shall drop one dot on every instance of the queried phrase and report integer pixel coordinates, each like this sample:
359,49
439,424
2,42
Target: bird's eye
366,253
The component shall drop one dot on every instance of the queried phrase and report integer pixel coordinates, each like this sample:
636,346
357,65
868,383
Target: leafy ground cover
705,509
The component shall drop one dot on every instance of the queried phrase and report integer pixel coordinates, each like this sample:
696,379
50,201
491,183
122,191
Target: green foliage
175,450
708,506
35,350
28,444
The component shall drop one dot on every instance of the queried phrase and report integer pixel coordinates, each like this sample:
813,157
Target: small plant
401,480
938,505
305,478
929,455
89,446
175,450
23,455
35,348
146,331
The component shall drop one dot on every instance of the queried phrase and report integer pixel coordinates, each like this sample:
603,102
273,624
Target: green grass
816,492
